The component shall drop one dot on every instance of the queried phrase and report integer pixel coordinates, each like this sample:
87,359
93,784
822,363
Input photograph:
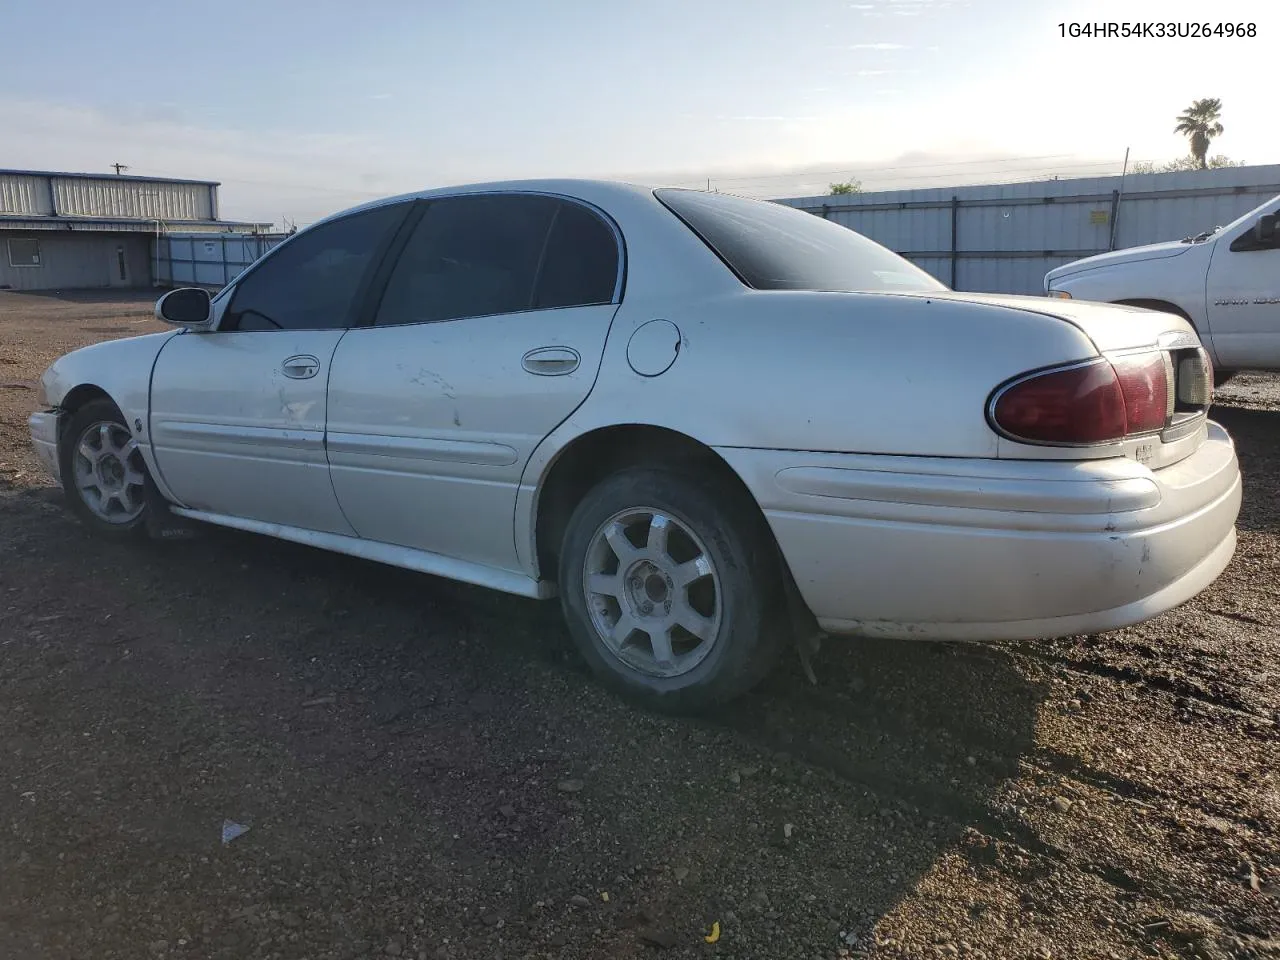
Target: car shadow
449,737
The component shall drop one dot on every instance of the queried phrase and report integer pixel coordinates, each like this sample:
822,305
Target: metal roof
105,176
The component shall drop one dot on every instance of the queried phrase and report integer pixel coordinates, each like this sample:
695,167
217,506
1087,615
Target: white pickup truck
1226,281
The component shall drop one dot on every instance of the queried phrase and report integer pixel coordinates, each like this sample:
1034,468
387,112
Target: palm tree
1200,123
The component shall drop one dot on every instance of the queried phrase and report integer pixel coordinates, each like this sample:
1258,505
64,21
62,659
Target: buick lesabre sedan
708,424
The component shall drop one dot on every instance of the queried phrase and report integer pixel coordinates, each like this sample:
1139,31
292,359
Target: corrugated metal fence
1003,238
206,259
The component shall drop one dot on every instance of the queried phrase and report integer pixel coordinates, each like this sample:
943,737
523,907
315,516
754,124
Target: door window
581,263
1248,241
314,281
481,255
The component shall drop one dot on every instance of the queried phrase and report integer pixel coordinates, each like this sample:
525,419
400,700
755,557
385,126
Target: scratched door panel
237,423
430,425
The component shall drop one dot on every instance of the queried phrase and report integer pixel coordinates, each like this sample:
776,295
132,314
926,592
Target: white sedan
708,424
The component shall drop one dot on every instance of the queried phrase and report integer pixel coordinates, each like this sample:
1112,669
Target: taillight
1195,380
1148,394
1087,403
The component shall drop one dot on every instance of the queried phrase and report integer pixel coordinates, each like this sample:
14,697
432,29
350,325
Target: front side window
774,247
486,254
313,281
1247,241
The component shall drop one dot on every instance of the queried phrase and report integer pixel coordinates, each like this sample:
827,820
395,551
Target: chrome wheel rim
653,592
110,475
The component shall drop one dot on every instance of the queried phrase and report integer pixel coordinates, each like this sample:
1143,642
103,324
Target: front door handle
551,361
302,367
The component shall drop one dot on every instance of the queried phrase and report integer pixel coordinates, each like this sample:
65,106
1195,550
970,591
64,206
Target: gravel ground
427,771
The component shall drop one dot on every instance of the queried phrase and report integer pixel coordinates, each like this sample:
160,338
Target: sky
304,107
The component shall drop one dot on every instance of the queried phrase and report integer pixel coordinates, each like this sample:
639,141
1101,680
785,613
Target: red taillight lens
1089,403
1083,404
1144,381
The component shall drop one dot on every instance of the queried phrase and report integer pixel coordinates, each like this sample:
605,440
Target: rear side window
775,247
580,266
475,256
312,282
469,256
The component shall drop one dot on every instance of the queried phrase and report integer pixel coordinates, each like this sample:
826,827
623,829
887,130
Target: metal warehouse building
65,231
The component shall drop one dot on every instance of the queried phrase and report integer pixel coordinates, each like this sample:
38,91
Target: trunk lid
1121,330
1110,326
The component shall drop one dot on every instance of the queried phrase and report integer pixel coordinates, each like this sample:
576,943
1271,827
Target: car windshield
775,247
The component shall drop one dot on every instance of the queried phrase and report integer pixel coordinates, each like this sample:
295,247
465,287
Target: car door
488,334
1243,293
237,413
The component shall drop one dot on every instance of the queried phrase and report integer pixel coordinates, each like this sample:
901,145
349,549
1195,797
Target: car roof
603,193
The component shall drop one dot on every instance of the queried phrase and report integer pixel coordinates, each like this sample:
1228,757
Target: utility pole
1115,205
119,167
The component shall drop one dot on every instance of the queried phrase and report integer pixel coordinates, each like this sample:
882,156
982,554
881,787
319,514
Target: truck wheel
103,472
671,589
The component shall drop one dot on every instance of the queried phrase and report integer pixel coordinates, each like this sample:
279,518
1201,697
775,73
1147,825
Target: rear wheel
103,473
671,588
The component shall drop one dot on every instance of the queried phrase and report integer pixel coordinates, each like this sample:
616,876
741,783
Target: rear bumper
44,439
996,550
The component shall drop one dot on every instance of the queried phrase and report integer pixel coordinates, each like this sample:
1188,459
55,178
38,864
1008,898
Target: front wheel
671,588
103,472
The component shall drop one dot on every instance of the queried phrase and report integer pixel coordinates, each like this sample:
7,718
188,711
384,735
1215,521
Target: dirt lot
427,771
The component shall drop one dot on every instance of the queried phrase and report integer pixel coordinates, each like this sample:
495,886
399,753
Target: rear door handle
551,361
302,367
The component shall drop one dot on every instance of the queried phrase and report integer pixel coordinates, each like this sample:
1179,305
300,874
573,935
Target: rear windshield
775,247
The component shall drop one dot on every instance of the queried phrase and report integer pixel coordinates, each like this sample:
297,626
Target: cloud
879,46
379,96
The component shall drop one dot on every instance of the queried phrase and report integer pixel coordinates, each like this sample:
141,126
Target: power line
702,181
905,166
885,173
287,185
801,182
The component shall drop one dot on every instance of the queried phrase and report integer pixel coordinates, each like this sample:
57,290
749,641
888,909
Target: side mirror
184,307
1264,231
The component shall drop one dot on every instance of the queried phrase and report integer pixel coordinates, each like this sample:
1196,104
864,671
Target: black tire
91,414
752,627
1222,376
